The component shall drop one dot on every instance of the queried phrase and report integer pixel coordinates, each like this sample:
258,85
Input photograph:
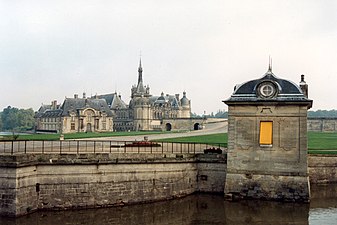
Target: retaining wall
31,182
47,181
322,169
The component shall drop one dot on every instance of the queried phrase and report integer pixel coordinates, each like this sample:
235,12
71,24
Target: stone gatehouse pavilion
267,140
108,112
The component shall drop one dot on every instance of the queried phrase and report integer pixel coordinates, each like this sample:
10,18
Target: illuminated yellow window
266,133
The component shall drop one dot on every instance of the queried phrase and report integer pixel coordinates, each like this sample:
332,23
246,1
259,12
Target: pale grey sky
52,49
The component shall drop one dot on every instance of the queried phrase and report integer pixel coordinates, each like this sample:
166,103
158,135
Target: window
81,124
266,133
267,90
97,124
72,126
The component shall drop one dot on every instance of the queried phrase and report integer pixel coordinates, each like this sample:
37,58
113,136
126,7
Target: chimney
84,95
177,96
304,86
54,105
75,95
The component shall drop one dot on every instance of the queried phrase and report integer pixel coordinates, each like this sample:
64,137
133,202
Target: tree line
311,114
14,119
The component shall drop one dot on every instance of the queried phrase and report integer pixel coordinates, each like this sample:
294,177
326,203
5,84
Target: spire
140,86
270,65
140,71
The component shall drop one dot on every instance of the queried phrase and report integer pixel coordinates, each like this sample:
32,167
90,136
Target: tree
25,119
9,118
17,119
323,113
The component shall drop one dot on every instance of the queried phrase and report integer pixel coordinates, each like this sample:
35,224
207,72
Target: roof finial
270,64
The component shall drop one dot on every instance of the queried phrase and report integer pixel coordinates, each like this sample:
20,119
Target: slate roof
287,91
46,111
52,113
75,104
171,99
113,100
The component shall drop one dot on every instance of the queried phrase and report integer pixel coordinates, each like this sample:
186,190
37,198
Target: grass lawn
220,138
322,141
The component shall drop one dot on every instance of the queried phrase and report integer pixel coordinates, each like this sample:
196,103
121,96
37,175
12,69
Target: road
210,128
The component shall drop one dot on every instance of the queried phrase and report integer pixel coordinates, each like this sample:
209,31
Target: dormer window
266,90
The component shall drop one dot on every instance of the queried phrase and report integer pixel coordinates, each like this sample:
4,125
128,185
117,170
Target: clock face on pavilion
267,90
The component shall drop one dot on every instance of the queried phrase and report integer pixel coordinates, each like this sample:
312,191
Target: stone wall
322,169
211,176
182,123
46,181
322,124
274,172
7,191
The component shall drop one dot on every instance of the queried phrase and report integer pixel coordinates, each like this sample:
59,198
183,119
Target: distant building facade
109,112
75,115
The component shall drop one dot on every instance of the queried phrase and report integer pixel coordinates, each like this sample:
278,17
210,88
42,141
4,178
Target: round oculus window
267,90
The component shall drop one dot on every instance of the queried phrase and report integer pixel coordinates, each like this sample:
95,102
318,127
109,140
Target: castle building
75,115
164,112
109,112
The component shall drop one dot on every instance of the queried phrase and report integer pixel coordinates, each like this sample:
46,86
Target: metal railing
89,146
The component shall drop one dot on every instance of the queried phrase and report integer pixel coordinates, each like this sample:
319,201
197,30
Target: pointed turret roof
140,85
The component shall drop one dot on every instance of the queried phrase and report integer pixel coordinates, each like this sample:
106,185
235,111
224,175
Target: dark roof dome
184,100
284,86
162,97
268,88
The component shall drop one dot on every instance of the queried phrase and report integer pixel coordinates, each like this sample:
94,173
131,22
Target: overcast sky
52,49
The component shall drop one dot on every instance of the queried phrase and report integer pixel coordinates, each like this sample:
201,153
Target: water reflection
323,206
199,210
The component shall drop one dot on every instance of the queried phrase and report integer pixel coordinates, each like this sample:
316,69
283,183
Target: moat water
199,209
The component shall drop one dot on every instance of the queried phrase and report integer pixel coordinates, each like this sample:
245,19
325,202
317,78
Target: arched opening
196,126
89,127
168,127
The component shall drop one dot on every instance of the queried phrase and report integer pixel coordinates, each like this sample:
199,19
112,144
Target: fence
86,146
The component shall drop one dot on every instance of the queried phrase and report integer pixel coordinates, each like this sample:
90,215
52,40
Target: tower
186,106
140,103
